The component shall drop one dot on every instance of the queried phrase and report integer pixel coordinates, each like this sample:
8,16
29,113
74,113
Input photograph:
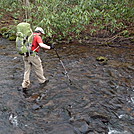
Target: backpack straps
25,39
35,49
34,34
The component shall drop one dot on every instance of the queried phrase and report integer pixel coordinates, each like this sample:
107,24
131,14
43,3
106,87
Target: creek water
100,99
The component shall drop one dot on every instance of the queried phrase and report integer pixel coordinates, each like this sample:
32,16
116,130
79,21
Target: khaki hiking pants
35,63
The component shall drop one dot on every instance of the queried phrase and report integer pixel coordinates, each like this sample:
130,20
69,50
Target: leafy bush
64,18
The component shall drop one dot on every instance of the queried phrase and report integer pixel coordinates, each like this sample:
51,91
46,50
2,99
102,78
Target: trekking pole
66,73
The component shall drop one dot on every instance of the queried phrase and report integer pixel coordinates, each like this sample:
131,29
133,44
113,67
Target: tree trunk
26,3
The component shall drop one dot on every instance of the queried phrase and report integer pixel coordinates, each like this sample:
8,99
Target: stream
99,99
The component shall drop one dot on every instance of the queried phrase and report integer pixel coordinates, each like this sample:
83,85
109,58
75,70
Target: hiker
34,61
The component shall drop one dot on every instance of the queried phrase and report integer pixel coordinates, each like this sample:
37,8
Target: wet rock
101,58
62,129
103,118
36,107
84,128
4,108
40,97
50,103
33,97
130,67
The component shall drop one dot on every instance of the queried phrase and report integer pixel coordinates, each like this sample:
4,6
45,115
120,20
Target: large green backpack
24,38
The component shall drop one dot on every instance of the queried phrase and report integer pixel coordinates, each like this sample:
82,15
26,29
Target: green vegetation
68,19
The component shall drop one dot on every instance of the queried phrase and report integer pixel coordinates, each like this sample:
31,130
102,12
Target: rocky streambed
100,99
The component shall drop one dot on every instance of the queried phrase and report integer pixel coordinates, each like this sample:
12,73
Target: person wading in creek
34,61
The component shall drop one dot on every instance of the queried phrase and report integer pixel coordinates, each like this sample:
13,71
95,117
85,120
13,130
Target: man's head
39,30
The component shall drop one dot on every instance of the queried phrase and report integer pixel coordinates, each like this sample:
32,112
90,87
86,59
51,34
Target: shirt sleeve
39,40
44,46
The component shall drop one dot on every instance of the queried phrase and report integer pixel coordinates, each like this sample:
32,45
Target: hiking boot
44,83
24,90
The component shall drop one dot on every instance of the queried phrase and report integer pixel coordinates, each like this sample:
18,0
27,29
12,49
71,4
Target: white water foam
112,131
13,120
132,100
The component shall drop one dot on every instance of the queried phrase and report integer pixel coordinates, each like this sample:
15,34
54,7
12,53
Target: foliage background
69,19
